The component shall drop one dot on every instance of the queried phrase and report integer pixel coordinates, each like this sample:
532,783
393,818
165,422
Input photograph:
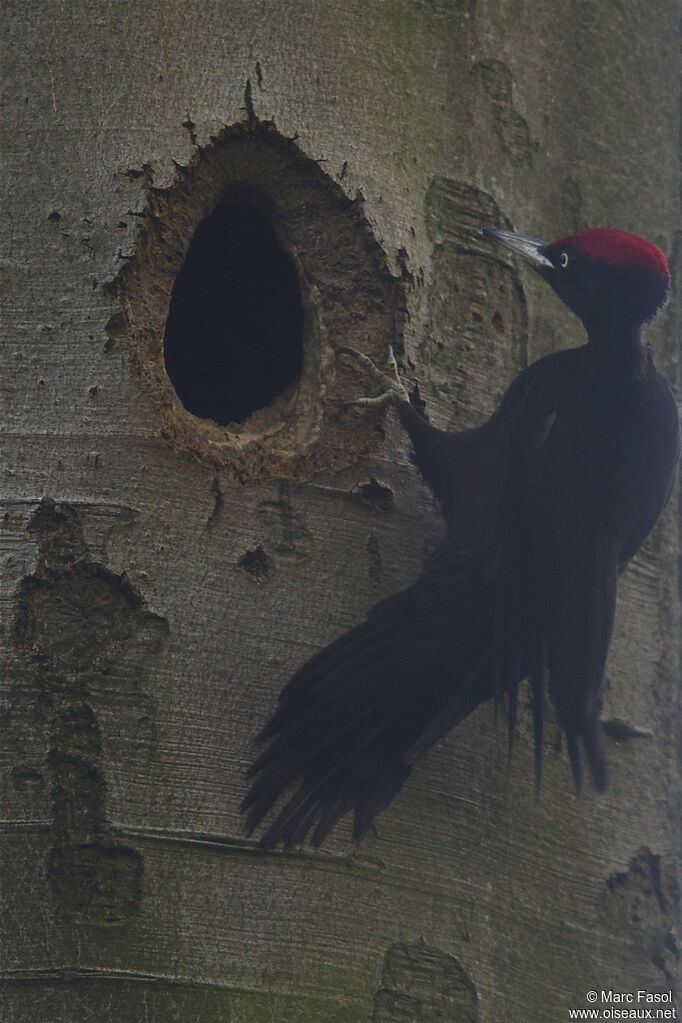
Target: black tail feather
593,743
348,719
537,690
576,762
279,766
321,794
391,784
511,716
328,819
591,740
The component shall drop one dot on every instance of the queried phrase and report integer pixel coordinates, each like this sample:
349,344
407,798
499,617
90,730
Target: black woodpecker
545,504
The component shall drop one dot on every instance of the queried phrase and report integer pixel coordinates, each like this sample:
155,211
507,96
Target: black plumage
544,504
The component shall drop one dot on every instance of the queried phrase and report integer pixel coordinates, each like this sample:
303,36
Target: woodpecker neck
623,346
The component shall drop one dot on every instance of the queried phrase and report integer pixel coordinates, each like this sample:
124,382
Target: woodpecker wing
347,720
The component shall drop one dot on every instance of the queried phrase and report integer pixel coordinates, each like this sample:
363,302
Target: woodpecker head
610,279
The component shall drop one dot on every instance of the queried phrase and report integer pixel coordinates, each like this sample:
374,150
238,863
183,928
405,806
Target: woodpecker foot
390,386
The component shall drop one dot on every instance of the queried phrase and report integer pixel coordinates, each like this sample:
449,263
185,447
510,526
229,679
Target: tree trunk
163,574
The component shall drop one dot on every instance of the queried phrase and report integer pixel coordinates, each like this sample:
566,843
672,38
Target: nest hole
248,272
234,334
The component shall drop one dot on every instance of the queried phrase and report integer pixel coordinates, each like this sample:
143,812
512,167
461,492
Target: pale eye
563,260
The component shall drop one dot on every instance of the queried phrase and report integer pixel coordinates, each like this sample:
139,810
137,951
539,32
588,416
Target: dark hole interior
234,334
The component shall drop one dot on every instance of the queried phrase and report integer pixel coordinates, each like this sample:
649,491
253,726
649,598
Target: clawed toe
377,401
390,385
